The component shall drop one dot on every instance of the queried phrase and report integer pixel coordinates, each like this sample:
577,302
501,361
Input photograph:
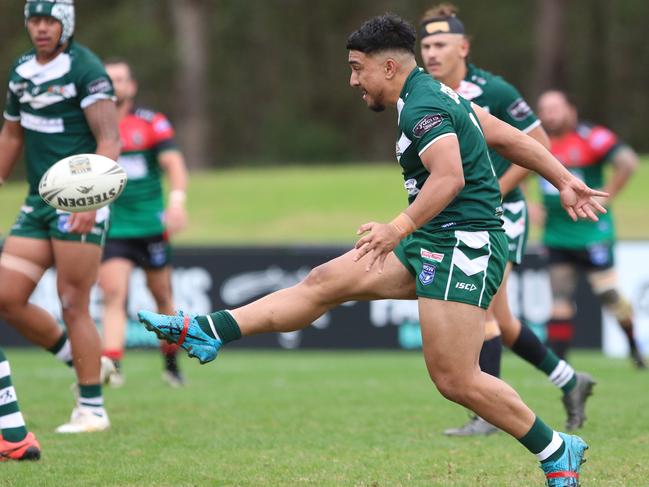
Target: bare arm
515,175
173,163
444,163
625,162
514,145
102,119
12,138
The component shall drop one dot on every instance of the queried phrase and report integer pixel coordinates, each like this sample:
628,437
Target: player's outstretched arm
515,174
577,199
12,137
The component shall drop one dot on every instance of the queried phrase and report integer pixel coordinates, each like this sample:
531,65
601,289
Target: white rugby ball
82,182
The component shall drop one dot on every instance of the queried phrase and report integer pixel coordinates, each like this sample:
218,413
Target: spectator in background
140,224
445,48
59,103
585,246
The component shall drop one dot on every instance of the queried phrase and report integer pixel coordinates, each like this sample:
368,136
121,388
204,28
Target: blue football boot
184,330
564,472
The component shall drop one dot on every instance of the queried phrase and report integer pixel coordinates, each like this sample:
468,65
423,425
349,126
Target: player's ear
390,67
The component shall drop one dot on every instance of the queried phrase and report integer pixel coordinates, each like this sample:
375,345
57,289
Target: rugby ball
82,182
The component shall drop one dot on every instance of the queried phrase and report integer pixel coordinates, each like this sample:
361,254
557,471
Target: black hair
382,33
120,60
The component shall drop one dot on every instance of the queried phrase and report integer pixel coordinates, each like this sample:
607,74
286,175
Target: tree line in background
266,81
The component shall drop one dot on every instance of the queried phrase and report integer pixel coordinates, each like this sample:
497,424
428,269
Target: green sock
12,423
543,441
90,396
220,325
62,349
560,373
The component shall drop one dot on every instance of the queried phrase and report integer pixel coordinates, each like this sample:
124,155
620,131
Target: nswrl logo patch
427,274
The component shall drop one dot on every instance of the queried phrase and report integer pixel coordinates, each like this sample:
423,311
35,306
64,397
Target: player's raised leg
77,264
22,264
159,283
337,281
113,281
16,443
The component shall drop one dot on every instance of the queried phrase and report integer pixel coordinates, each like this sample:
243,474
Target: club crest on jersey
427,274
411,186
427,123
428,255
519,110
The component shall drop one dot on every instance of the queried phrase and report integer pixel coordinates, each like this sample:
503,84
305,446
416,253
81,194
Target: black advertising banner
207,279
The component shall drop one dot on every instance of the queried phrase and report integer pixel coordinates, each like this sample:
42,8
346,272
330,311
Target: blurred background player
445,48
585,149
16,443
59,103
140,224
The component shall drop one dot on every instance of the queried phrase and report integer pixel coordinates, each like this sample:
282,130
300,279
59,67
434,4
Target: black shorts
597,257
146,252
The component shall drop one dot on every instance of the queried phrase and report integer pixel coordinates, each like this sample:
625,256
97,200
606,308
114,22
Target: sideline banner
206,279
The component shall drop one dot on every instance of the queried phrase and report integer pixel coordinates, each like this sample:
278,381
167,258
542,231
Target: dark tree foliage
276,81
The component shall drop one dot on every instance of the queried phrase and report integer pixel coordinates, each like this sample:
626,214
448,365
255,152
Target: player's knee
74,304
319,279
451,385
617,304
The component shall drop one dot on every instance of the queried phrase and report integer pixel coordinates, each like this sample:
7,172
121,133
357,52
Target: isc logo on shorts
467,286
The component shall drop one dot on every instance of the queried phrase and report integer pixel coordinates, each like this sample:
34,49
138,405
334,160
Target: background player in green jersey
447,248
140,225
59,103
585,149
16,443
445,48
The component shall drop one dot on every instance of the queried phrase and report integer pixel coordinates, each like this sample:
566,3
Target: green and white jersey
503,101
428,111
48,100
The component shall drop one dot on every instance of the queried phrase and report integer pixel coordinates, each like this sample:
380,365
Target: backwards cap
61,10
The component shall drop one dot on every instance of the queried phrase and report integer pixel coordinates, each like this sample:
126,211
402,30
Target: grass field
313,419
321,204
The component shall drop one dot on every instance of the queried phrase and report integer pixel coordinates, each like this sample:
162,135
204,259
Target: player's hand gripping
580,201
82,222
379,240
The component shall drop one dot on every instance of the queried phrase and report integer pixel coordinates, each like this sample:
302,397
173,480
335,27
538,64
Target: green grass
312,419
322,204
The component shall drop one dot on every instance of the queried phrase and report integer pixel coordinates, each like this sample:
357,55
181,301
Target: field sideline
312,419
313,204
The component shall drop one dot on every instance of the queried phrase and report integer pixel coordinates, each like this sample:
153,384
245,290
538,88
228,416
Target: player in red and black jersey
140,223
584,149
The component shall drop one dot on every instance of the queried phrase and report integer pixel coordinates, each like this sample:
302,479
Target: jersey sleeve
12,106
512,108
12,103
426,125
94,85
602,142
163,133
